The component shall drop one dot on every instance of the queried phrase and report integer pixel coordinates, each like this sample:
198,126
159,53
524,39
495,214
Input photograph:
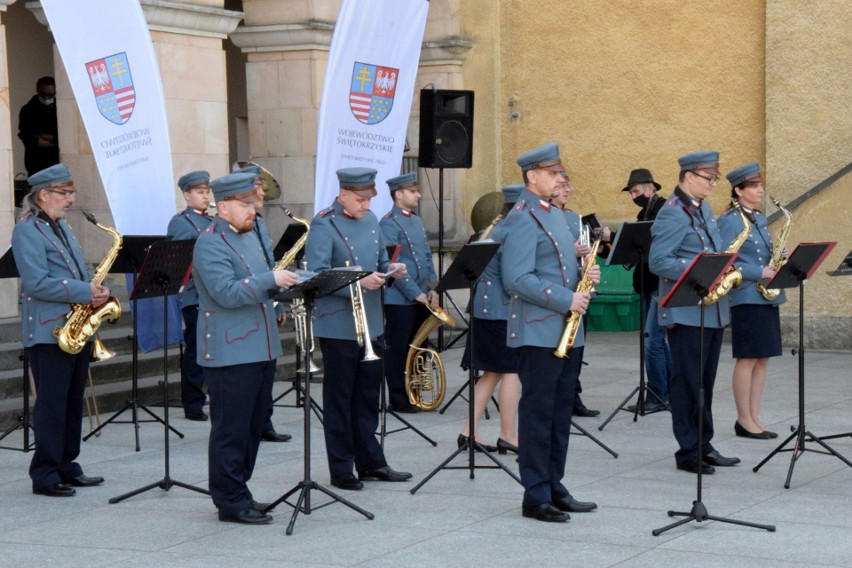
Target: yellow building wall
622,84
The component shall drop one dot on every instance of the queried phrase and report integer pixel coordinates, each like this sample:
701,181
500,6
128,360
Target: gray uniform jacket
490,300
334,239
753,255
53,276
236,318
400,227
540,271
681,232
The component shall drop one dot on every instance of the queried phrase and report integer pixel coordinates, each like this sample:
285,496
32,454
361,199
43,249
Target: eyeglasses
64,193
713,180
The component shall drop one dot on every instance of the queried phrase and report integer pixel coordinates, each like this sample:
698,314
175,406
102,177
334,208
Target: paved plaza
454,520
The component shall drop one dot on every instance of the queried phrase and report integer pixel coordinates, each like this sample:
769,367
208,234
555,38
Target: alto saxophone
84,320
777,260
734,276
424,370
575,319
290,256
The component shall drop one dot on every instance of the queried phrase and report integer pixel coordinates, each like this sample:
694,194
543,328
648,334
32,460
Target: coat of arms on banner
113,86
372,91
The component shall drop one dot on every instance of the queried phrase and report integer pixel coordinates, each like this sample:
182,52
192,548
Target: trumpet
362,332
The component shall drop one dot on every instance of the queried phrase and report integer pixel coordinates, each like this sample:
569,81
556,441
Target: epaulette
209,228
388,215
727,212
520,205
325,211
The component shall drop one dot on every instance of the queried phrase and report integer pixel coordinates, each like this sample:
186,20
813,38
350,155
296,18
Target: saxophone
575,319
734,276
424,370
290,256
84,320
776,261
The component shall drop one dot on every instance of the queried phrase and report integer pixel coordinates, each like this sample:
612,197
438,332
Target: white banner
367,93
109,57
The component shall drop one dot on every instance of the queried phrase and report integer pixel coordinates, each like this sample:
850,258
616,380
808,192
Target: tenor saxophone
425,379
777,260
734,276
575,319
84,320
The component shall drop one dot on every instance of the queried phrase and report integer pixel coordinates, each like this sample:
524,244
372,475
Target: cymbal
485,209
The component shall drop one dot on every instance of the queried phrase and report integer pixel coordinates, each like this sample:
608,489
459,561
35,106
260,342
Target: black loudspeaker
446,129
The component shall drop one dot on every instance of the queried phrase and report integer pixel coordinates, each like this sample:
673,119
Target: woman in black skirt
755,320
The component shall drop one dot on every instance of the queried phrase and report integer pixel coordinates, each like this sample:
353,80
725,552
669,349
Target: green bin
616,306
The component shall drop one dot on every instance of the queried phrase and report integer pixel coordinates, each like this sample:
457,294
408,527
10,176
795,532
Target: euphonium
777,260
362,332
734,276
424,370
84,320
575,319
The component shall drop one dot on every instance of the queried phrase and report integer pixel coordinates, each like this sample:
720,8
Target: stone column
187,39
8,287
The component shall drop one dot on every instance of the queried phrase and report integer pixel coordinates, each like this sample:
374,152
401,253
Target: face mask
47,102
641,200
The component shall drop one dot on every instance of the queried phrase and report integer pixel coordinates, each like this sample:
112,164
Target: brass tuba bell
425,379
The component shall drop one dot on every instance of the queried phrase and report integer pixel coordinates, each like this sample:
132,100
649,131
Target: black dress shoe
546,512
273,436
462,442
740,431
196,415
407,409
260,507
348,482
692,467
585,412
770,433
503,446
571,505
384,474
85,481
247,517
55,490
717,459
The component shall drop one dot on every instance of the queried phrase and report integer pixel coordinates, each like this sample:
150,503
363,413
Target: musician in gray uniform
188,224
405,297
490,355
348,232
684,228
755,320
582,249
238,343
261,229
53,277
540,272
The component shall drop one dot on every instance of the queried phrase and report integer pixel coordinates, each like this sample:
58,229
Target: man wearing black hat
658,360
53,278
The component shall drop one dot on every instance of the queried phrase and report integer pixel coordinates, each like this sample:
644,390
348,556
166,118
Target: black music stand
631,247
129,261
700,277
8,269
464,272
800,266
165,271
320,285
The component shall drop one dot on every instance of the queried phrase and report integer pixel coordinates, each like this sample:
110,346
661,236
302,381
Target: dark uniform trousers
548,386
685,345
60,380
240,397
192,395
402,322
350,402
